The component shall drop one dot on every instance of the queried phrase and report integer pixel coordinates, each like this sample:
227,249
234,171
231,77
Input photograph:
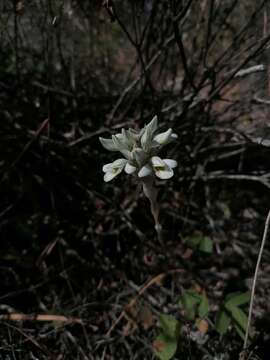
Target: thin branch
137,80
264,238
262,179
38,317
179,42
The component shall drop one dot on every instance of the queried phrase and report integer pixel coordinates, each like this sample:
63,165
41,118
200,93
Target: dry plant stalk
38,317
264,238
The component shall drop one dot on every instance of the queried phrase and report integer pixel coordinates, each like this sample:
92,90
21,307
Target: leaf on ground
206,245
194,303
240,332
223,322
203,308
146,317
202,325
170,326
240,317
238,299
165,347
194,240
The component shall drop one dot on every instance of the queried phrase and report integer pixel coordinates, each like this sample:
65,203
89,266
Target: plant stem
265,233
151,193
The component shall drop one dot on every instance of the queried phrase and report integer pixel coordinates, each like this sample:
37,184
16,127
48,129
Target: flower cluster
140,150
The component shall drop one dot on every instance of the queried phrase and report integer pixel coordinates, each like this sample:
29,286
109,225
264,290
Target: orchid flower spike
140,150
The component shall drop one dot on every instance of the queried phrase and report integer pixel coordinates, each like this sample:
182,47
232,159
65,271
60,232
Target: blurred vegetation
72,70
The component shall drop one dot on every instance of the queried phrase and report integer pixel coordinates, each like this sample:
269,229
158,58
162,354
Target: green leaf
206,245
190,301
165,347
203,308
239,317
237,299
170,326
225,208
194,241
222,323
240,332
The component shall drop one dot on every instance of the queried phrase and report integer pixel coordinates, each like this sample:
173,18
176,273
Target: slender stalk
151,193
265,233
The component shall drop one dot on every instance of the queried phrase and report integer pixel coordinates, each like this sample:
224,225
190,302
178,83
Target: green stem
151,193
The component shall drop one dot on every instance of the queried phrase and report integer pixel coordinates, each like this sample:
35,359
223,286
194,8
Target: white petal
130,169
119,163
161,168
170,162
145,171
107,167
164,174
156,161
108,176
174,136
164,137
113,169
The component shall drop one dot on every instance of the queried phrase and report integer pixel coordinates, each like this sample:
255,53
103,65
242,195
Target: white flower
140,149
113,169
165,137
163,169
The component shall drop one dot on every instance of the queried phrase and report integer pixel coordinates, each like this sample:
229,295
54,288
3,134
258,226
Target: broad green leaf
206,245
239,317
194,241
238,299
165,347
240,332
170,326
222,323
203,308
190,301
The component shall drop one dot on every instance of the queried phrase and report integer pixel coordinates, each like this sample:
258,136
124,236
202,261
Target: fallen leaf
129,328
202,325
187,254
146,317
159,345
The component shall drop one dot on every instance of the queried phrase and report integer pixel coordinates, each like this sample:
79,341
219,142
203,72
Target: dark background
71,71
